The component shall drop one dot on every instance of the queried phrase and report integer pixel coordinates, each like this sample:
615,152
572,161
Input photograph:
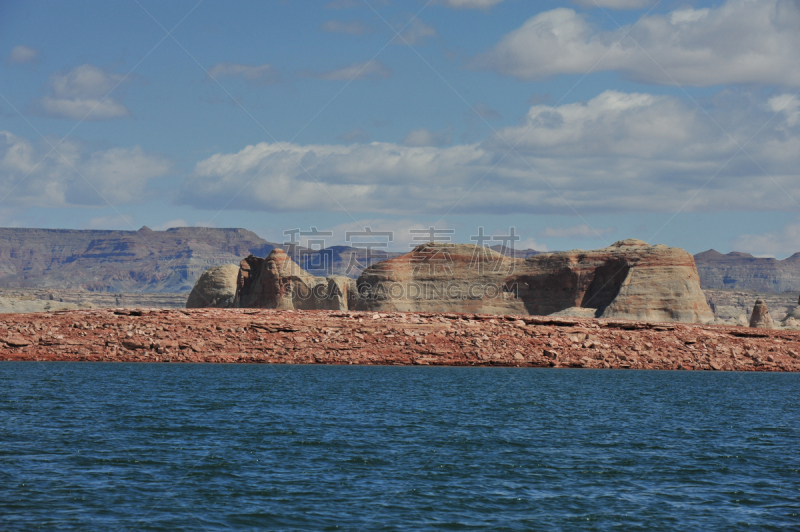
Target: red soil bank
343,337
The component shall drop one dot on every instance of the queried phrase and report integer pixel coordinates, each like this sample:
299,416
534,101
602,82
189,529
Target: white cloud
789,105
741,41
32,176
577,231
617,152
250,73
414,32
426,137
615,4
23,54
353,27
774,244
364,70
84,93
469,4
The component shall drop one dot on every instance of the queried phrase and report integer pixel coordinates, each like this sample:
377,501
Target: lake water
87,446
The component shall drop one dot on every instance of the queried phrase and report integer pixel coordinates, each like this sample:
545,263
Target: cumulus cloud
741,41
577,231
373,69
23,54
83,93
31,177
426,137
250,73
352,27
615,4
469,4
618,152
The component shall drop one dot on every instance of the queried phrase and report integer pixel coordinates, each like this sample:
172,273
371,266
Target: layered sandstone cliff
742,271
277,282
629,280
216,288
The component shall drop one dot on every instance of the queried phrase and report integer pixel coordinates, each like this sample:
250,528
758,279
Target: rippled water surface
218,447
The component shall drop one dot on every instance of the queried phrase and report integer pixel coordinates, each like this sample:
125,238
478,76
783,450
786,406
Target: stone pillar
760,317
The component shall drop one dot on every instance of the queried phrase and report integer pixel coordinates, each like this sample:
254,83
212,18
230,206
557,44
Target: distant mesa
629,279
742,271
120,261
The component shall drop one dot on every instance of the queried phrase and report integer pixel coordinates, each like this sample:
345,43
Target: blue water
88,446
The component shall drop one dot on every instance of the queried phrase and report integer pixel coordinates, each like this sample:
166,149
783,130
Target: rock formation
277,282
216,288
629,280
792,318
760,317
742,271
438,277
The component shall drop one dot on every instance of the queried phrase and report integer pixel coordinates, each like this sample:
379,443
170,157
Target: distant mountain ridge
120,261
743,271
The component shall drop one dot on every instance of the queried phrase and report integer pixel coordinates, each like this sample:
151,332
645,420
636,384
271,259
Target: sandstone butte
395,338
627,280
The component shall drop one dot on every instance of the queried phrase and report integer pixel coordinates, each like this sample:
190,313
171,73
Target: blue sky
576,122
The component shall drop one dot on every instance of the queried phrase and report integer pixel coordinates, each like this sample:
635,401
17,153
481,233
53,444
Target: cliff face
742,271
119,261
277,282
441,278
629,280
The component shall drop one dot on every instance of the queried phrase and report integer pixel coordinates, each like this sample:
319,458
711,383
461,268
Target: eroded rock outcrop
438,277
628,280
278,282
215,288
760,317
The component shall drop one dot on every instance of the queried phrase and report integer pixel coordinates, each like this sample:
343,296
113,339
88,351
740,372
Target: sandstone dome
216,287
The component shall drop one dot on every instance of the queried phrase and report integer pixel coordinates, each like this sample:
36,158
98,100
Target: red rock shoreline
366,338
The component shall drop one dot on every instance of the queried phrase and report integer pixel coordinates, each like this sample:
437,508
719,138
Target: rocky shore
346,337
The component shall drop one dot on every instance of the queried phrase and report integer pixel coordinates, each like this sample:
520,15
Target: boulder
760,317
215,288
